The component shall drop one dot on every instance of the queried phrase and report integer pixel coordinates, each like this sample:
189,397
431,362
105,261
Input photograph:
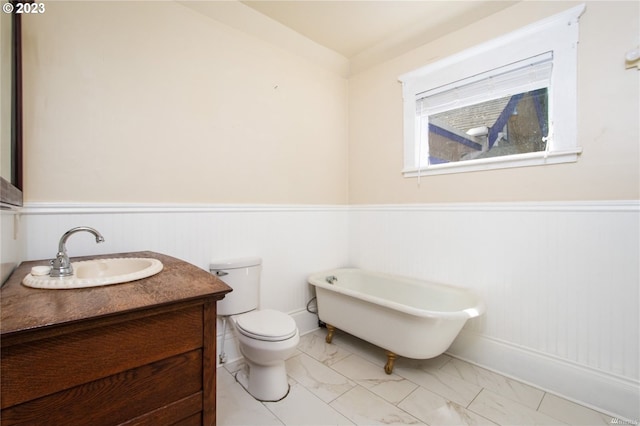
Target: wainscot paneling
11,242
293,241
560,280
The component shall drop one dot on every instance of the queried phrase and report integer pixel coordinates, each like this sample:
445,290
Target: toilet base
266,384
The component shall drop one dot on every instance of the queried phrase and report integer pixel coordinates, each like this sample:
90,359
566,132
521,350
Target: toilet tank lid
242,262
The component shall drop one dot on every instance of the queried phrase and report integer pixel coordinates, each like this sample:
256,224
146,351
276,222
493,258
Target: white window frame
557,34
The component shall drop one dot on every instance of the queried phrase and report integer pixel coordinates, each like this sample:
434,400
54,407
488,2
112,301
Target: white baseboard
306,321
599,390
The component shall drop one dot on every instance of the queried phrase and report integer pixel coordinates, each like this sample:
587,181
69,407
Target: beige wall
152,102
608,111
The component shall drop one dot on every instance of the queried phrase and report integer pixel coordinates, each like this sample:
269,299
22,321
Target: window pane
510,125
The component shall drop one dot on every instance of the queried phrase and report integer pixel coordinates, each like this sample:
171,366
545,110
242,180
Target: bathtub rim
318,280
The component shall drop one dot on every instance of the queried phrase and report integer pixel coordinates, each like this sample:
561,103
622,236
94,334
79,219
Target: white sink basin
98,272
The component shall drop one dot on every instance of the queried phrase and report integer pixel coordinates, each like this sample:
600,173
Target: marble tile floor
343,383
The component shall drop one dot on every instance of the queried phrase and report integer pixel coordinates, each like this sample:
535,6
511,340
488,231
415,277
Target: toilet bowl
266,338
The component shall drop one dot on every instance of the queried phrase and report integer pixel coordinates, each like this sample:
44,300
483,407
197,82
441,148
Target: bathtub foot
330,330
391,359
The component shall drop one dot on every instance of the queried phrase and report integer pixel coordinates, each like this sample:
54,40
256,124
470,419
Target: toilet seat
267,325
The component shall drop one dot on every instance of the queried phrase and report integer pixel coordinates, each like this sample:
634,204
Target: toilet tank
243,276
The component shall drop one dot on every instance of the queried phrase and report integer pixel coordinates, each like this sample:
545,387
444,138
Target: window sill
510,161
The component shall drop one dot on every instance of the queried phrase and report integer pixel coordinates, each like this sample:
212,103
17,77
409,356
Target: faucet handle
61,260
60,266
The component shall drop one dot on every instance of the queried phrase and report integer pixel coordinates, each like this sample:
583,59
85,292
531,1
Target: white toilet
266,337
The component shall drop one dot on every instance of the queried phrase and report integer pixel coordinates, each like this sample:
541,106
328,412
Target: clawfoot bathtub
407,317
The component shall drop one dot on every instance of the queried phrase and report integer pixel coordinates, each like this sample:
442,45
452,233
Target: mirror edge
11,195
11,192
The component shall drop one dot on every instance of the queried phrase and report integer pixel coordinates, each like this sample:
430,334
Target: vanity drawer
169,389
42,367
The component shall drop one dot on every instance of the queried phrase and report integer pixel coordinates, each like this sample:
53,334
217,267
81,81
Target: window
510,102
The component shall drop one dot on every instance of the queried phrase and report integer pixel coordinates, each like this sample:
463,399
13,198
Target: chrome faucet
61,266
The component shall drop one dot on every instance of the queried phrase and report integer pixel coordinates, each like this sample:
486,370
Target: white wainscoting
11,242
293,241
560,280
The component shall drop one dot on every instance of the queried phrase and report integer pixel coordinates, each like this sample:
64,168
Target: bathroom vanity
142,352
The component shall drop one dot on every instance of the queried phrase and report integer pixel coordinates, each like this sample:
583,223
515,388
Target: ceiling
352,27
348,36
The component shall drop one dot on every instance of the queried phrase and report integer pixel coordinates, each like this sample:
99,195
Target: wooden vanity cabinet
146,356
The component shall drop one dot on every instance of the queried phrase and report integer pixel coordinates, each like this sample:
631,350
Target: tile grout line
541,399
474,398
468,407
336,372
